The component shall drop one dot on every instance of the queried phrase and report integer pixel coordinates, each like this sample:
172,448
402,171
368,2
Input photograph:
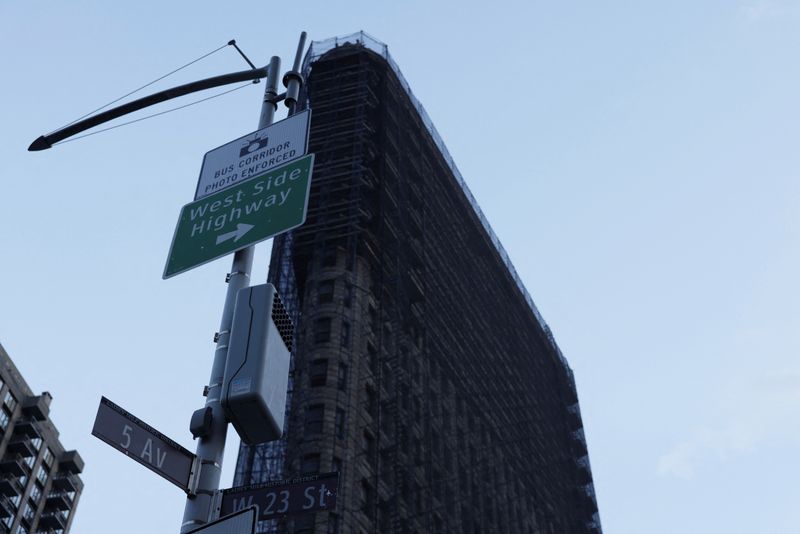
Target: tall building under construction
422,371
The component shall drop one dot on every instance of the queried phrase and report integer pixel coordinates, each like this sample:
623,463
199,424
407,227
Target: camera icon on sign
253,145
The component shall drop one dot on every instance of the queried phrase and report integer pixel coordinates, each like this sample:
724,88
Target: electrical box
257,368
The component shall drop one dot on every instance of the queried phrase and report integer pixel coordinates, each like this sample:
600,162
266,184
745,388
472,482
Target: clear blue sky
639,161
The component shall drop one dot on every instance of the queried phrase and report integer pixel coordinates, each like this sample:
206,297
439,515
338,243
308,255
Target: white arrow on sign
237,234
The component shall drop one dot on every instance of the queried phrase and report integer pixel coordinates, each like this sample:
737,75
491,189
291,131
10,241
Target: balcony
55,520
37,407
6,507
21,445
67,482
58,501
71,462
27,428
10,486
13,464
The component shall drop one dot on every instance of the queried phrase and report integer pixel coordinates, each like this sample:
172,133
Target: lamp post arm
44,142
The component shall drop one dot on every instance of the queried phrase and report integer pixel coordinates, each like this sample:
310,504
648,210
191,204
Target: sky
638,161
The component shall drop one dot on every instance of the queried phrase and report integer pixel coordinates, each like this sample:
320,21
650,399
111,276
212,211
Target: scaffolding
422,371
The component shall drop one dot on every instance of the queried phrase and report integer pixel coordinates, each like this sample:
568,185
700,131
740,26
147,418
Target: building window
322,330
310,464
328,257
339,423
22,530
341,381
36,492
314,419
30,511
345,334
333,523
304,524
369,446
44,471
4,418
318,374
347,300
372,354
37,443
48,457
371,401
10,401
366,497
325,291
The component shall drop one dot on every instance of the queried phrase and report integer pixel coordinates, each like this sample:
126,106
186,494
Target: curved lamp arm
44,142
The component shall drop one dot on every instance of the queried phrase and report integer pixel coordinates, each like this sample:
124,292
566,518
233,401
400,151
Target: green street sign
240,216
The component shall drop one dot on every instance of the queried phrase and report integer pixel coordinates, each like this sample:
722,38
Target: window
366,496
21,529
329,257
374,319
48,457
345,334
371,401
322,330
333,523
372,353
325,291
44,471
341,381
304,524
36,492
339,423
318,374
369,446
37,443
347,300
10,401
4,418
310,464
30,511
336,465
314,419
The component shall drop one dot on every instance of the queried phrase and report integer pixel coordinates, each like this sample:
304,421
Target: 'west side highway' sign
284,497
244,214
253,154
143,443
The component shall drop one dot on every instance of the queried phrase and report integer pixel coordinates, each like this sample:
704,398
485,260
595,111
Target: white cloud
754,411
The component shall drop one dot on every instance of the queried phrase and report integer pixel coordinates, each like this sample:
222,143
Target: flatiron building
421,370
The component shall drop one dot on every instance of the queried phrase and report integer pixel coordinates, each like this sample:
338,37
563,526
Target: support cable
142,87
153,115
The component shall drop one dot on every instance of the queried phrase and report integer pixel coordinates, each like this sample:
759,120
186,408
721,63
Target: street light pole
211,447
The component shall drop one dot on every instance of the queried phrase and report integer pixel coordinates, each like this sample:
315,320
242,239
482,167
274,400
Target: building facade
422,371
39,482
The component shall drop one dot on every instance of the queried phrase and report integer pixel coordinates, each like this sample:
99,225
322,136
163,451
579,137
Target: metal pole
211,448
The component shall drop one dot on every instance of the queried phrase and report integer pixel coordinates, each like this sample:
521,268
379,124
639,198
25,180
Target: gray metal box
257,368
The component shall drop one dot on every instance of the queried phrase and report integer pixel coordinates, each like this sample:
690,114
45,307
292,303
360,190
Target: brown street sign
141,442
284,497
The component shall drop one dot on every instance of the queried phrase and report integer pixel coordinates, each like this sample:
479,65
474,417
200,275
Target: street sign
284,497
143,443
254,154
249,212
242,522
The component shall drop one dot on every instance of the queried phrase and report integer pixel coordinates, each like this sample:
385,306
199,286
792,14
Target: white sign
254,154
243,522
